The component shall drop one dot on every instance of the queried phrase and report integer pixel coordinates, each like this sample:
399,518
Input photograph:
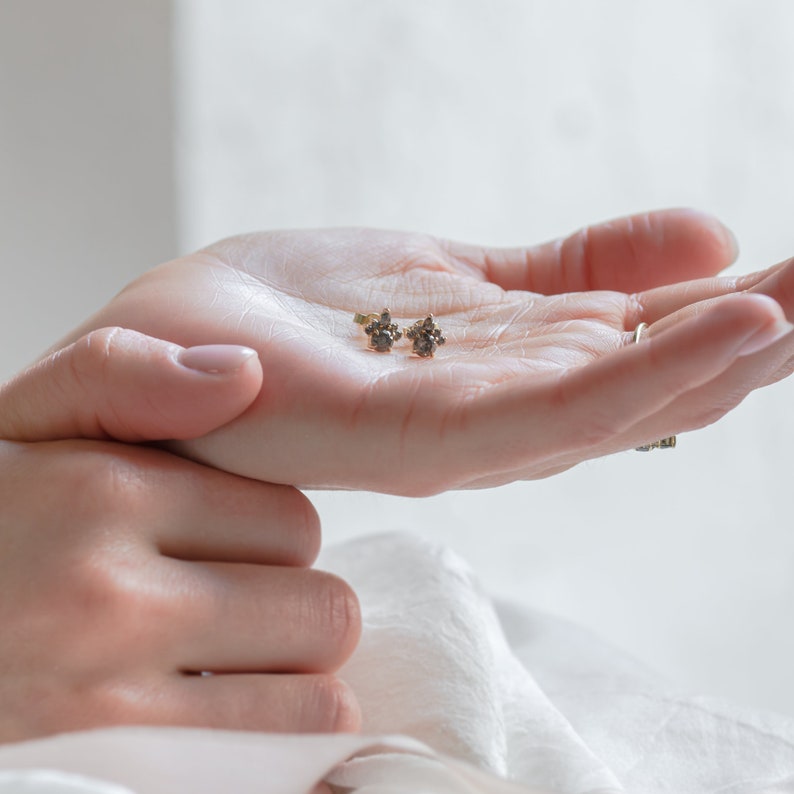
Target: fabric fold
459,696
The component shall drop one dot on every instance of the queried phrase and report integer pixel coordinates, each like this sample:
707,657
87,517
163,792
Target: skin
538,372
127,570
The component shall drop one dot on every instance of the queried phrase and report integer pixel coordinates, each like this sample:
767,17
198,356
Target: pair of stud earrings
383,333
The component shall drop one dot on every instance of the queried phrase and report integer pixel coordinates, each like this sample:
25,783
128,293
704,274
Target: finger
629,254
253,702
219,517
759,370
711,401
654,305
176,507
590,405
778,284
663,313
249,618
124,385
692,410
264,703
267,703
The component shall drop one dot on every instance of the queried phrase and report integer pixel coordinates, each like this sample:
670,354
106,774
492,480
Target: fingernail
767,336
215,359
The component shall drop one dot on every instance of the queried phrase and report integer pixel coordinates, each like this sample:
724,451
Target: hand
538,372
126,571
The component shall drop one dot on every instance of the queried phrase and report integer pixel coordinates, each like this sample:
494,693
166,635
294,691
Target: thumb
117,383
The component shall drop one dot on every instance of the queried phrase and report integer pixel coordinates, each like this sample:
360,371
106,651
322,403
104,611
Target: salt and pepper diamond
426,336
382,332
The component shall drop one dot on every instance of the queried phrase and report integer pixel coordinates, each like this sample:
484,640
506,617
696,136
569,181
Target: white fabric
512,693
46,781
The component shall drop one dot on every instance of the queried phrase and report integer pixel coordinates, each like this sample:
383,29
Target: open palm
538,371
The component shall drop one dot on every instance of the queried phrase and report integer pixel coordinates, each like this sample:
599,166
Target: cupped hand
128,571
538,371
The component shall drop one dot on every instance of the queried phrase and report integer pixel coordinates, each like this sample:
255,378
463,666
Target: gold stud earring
426,336
382,332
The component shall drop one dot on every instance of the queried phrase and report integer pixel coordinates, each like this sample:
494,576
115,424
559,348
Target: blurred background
132,132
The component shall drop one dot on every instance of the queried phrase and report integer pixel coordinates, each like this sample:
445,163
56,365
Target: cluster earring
426,334
382,332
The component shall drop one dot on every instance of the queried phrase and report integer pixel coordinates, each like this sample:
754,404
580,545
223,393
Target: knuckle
107,599
65,705
104,485
599,428
579,430
89,368
97,590
107,704
576,255
711,413
92,352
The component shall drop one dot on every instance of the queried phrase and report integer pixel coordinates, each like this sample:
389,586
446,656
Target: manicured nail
767,336
215,359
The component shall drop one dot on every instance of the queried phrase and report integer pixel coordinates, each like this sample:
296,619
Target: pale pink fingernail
215,359
766,336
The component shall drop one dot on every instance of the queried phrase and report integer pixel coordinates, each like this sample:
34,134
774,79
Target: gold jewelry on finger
639,331
382,332
662,443
426,335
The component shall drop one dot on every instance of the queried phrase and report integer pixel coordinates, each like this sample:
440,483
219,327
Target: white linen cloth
486,694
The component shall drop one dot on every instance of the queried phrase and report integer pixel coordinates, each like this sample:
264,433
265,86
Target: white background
131,132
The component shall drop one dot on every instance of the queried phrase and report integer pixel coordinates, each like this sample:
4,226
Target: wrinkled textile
495,700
